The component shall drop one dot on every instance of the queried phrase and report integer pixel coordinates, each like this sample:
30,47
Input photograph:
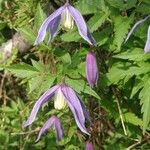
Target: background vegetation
119,106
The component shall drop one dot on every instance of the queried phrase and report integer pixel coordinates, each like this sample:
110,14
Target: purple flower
91,69
147,46
65,95
89,146
65,14
51,122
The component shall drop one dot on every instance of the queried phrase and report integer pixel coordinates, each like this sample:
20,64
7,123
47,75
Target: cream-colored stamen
59,100
67,21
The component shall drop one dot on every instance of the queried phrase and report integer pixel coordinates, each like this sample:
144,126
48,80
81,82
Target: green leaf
145,102
120,71
121,27
137,86
70,36
35,83
23,70
38,65
66,58
97,20
28,34
136,54
121,4
88,6
46,83
40,16
133,119
80,86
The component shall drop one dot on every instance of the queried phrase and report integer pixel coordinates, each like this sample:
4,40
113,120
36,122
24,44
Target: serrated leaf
38,65
22,70
66,58
80,86
136,54
35,83
28,34
121,4
70,36
40,16
137,86
88,6
133,119
46,84
119,72
121,27
97,20
145,102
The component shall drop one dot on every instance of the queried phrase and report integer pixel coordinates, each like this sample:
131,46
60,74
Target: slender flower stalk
91,69
52,122
133,29
68,95
89,146
66,15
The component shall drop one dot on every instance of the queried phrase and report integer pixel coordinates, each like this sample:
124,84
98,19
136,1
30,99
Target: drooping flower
91,69
147,46
66,15
71,99
89,146
51,122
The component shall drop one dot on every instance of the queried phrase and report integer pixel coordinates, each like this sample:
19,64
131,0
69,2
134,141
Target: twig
134,145
121,117
2,83
120,112
24,133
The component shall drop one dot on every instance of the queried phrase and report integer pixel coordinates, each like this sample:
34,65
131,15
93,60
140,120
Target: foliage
122,93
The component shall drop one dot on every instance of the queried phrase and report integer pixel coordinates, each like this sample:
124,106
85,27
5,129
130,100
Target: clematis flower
65,95
91,69
66,15
147,46
89,146
52,122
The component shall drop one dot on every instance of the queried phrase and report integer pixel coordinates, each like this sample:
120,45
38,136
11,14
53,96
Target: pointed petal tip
24,125
81,25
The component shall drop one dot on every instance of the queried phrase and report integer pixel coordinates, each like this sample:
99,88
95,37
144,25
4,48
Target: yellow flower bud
59,100
67,21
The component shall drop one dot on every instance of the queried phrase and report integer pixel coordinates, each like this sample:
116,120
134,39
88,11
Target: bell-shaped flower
65,15
147,45
51,122
91,69
89,146
63,95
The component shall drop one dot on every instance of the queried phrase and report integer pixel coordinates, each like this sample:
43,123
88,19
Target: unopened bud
91,69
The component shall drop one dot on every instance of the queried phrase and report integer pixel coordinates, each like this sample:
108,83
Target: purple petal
53,121
136,26
147,45
53,26
86,113
91,69
48,94
59,129
82,27
89,146
75,106
46,23
45,127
